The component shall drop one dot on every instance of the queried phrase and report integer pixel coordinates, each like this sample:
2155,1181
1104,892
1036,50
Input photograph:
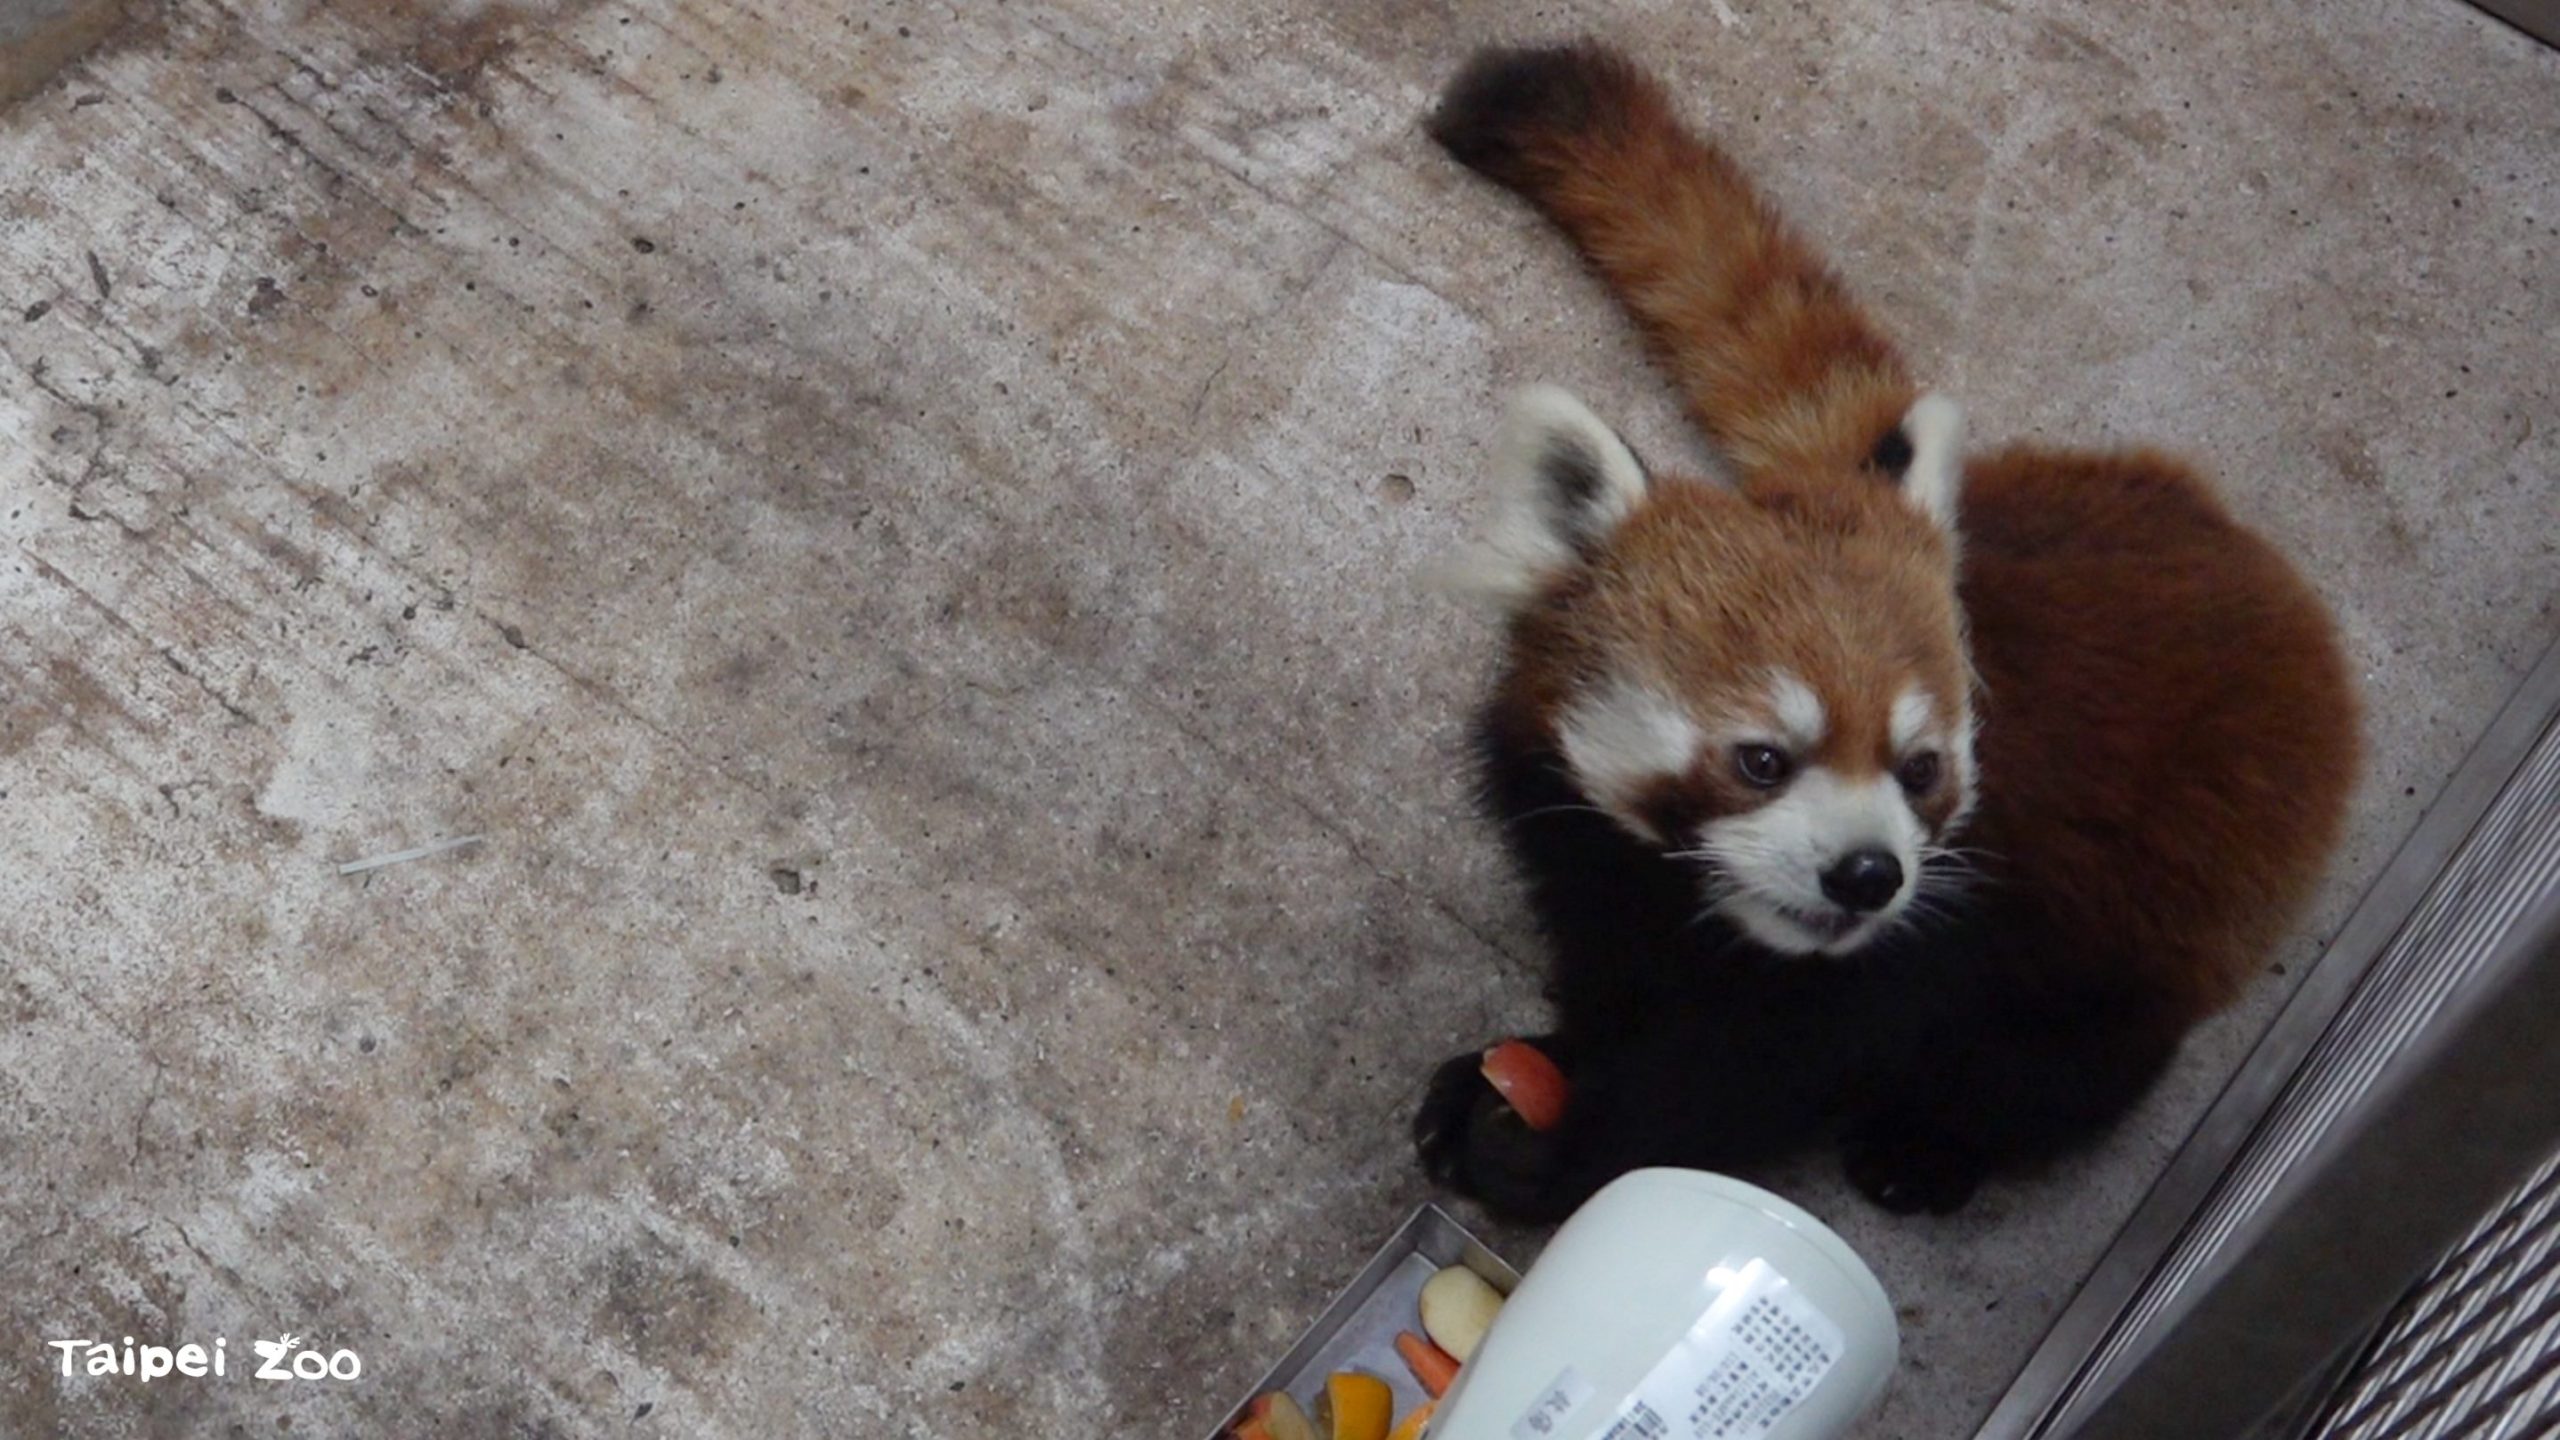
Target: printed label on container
1754,1356
1545,1415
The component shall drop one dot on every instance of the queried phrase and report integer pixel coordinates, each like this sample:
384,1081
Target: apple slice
1528,1082
1279,1418
1457,1308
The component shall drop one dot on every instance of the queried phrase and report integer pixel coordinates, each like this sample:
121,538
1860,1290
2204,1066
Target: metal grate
2473,1353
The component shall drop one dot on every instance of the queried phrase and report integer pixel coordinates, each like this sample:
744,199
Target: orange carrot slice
1429,1363
1528,1082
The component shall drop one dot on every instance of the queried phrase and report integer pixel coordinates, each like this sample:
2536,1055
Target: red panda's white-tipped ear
1565,480
1935,479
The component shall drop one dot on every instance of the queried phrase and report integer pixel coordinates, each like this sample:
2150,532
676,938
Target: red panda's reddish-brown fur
1779,365
2185,770
2168,733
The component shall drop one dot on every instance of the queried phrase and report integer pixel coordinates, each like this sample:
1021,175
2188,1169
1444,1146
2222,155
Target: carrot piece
1411,1429
1527,1081
1429,1363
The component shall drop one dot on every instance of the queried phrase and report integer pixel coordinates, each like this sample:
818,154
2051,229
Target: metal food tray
1358,1330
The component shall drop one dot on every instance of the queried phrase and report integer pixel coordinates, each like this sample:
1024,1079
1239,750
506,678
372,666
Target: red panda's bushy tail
1777,363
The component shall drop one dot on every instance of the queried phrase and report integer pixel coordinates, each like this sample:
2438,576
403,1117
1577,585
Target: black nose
1863,880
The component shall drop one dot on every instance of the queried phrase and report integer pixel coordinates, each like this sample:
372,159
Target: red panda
1924,800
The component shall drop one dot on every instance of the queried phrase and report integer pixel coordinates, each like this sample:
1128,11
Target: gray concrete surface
896,523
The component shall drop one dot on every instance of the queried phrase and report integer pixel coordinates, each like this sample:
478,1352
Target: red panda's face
1770,687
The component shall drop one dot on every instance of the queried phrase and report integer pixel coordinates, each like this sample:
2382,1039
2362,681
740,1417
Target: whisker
1567,809
1916,912
1715,886
1946,871
1706,912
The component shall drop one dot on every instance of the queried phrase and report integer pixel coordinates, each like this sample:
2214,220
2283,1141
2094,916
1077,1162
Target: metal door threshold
2537,18
2483,854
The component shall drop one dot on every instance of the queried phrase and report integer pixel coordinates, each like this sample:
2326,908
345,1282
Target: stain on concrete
672,1313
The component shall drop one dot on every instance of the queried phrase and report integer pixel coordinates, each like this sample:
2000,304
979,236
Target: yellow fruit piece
1354,1406
1411,1429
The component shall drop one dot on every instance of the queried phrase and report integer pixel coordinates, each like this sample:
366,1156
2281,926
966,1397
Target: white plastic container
1679,1305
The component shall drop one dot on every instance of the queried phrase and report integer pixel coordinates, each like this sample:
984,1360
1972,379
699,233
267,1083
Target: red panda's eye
1919,773
1762,765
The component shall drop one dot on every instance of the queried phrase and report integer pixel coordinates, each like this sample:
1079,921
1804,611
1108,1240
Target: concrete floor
896,523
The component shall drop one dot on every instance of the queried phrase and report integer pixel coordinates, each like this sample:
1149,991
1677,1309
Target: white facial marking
1621,737
1771,860
1563,479
1935,428
1960,768
1914,717
1799,711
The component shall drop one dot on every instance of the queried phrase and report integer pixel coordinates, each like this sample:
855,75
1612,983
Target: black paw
1910,1170
1494,114
1472,1143
1448,1111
